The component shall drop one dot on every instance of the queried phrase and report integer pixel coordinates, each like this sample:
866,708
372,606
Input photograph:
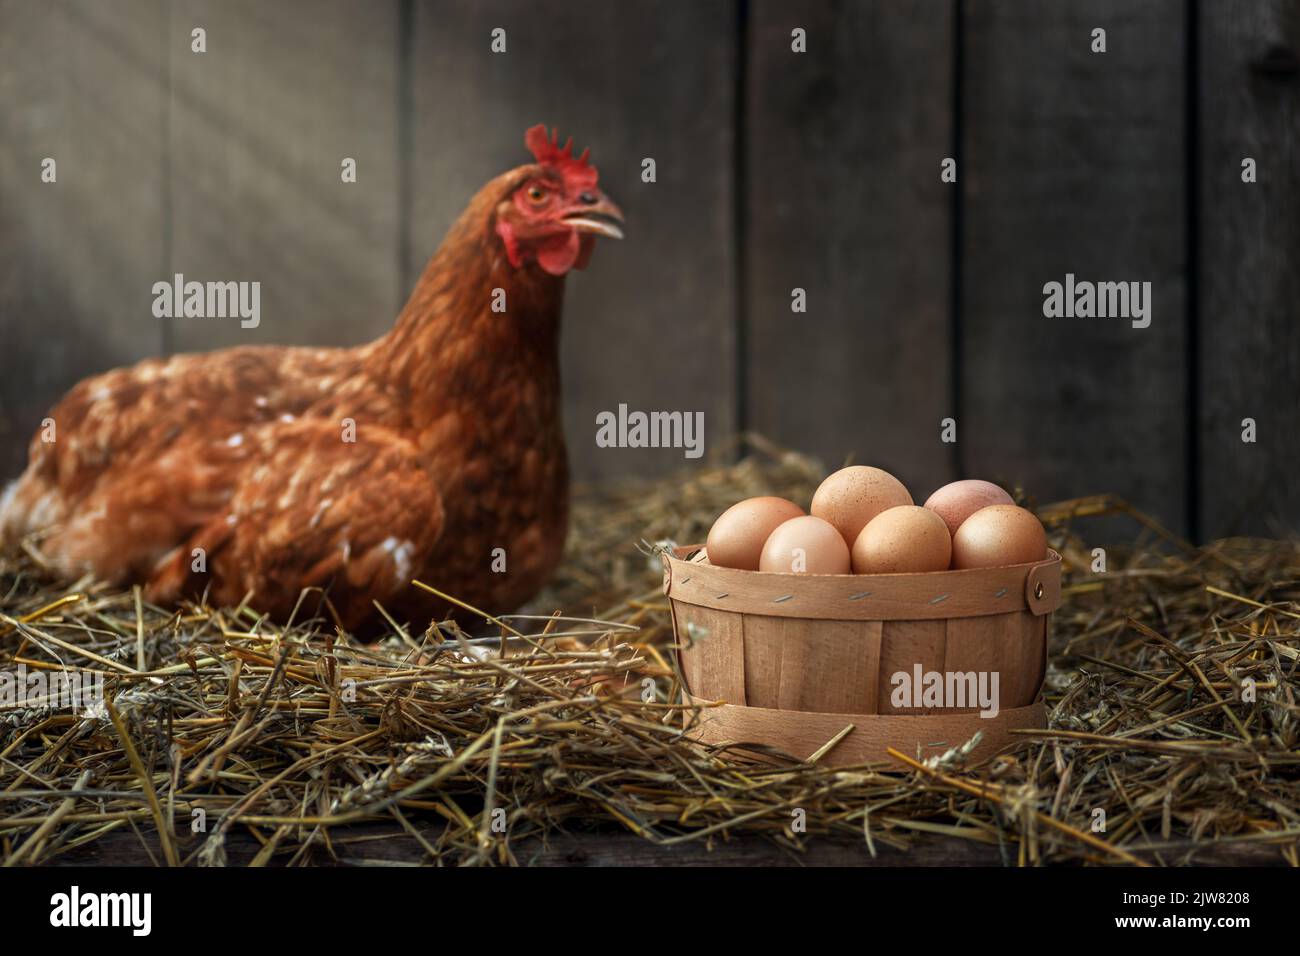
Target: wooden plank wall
845,202
259,127
1249,85
1073,162
84,85
776,170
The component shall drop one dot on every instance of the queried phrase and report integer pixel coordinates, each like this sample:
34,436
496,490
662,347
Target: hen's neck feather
448,344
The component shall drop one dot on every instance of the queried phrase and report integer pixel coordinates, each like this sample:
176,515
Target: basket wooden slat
719,657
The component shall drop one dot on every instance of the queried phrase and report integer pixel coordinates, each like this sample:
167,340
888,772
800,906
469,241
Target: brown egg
998,535
737,537
956,502
906,538
805,545
853,496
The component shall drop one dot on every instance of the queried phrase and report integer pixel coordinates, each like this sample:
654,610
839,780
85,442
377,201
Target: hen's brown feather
356,519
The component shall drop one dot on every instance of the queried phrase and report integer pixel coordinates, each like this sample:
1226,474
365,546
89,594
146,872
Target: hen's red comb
576,171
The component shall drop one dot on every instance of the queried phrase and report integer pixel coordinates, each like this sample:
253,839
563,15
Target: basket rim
681,552
971,592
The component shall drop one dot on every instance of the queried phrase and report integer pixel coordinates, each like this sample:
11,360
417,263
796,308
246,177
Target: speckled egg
852,496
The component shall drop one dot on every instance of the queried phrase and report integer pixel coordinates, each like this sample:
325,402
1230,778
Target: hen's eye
536,194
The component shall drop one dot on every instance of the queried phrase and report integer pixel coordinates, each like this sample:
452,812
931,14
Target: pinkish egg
957,501
852,496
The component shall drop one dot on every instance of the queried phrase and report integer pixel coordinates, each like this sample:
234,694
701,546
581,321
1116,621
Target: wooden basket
797,658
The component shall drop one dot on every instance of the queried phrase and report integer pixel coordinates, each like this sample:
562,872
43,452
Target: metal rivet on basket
939,599
1038,590
782,599
722,595
1001,593
859,596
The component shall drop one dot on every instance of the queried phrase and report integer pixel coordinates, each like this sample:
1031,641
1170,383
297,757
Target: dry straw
1172,699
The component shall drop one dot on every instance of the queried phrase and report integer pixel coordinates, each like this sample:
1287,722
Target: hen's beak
596,214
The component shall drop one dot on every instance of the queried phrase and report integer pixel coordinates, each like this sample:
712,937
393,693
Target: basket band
877,597
803,733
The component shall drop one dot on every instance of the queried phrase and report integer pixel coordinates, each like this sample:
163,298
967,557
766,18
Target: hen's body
234,472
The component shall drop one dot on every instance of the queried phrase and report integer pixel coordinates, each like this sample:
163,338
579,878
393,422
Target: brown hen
436,452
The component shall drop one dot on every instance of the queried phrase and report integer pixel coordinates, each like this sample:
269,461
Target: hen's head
552,211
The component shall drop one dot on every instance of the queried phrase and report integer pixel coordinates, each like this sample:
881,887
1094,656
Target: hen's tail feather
6,517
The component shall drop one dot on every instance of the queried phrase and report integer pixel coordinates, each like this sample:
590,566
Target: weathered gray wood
260,124
1250,267
81,83
650,323
369,844
844,200
1074,163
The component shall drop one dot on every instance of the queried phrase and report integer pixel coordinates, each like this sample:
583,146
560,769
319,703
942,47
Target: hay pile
474,744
